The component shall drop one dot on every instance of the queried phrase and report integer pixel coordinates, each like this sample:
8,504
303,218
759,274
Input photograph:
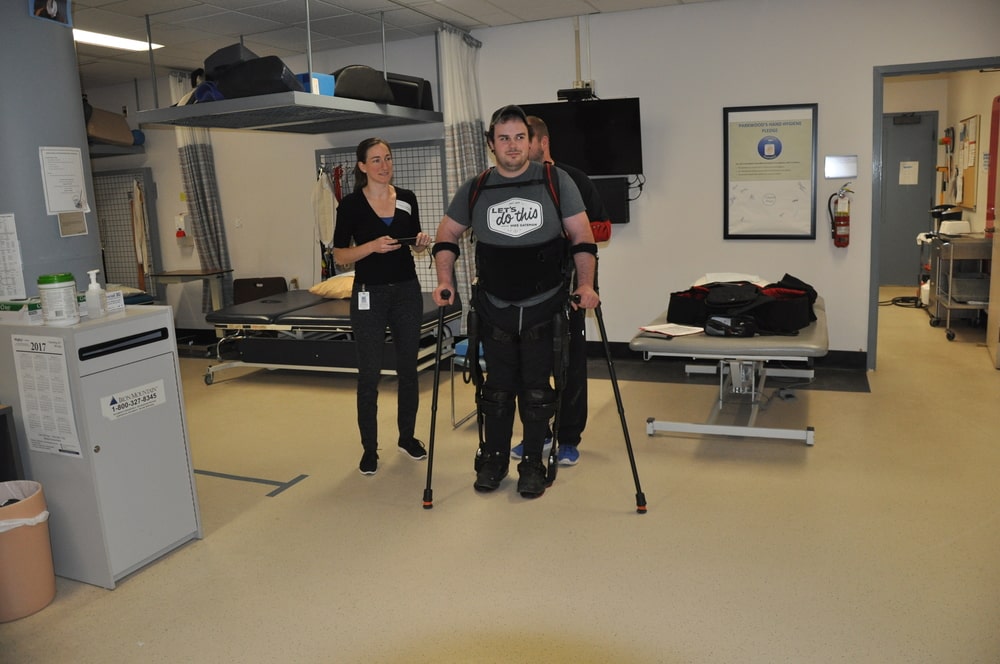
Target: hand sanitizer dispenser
97,304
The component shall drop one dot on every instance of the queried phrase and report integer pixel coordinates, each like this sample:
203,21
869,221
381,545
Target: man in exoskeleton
528,242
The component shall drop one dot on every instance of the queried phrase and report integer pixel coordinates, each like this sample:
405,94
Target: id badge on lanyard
364,303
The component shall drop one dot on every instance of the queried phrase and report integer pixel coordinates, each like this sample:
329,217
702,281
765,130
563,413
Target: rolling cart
960,280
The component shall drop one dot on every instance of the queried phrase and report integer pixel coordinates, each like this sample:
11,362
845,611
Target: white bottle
97,303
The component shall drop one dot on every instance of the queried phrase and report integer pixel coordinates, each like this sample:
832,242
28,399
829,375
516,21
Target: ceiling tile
99,20
193,13
407,18
367,6
235,5
532,10
141,8
345,25
232,23
294,11
288,38
629,5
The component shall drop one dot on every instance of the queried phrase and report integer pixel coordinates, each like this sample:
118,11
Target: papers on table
671,330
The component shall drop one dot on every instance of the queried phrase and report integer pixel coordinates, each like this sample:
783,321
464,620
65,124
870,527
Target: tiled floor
879,544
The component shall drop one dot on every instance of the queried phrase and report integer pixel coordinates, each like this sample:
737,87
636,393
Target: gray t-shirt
518,214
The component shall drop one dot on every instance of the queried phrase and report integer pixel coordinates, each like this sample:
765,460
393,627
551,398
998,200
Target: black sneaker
414,449
369,462
532,480
490,471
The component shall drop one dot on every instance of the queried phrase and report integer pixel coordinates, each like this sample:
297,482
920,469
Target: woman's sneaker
369,462
413,449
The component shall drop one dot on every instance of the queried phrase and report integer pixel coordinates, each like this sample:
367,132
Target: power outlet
293,283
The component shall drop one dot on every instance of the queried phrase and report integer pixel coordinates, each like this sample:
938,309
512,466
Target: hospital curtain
465,145
205,222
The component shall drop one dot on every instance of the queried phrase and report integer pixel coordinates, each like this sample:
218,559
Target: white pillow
126,290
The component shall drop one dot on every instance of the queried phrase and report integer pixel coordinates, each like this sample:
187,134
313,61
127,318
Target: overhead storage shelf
294,112
105,150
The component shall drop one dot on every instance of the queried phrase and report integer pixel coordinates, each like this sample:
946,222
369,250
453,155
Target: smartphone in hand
407,241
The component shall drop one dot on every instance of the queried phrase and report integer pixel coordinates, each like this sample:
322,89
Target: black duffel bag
729,298
260,76
784,307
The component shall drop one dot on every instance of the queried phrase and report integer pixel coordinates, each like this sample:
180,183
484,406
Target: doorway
879,171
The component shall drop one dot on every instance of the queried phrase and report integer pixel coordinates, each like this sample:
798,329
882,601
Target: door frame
879,76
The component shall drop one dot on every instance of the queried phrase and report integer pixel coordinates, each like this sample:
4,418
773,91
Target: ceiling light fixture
110,41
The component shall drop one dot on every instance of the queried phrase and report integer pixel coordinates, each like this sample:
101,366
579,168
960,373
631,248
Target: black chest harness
517,273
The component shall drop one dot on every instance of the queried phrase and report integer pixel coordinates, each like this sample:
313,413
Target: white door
140,457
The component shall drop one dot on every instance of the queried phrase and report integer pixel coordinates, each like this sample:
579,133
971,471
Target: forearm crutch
640,497
428,492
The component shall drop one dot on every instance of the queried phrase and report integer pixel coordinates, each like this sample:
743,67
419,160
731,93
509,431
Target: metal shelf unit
292,112
98,150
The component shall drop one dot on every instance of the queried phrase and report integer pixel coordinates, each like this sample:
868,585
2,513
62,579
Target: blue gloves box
318,84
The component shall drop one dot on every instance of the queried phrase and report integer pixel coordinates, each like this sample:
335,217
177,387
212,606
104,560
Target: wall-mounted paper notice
11,266
909,172
63,181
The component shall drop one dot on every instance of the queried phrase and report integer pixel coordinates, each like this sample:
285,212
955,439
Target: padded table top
300,308
338,312
811,341
263,310
325,312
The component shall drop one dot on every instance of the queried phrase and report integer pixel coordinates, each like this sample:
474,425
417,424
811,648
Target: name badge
363,302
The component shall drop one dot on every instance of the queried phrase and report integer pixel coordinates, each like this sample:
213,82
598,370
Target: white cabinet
116,468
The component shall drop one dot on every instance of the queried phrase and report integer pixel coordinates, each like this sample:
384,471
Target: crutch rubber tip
640,503
428,499
428,506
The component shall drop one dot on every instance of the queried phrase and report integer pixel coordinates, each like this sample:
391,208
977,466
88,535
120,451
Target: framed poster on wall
770,172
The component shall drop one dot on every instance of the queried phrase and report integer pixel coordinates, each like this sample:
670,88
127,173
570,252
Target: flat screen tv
598,136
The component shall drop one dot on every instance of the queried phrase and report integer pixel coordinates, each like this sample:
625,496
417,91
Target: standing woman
371,222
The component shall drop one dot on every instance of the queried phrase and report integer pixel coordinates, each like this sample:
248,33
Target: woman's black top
357,221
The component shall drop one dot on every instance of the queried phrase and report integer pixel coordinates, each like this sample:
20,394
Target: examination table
743,365
299,330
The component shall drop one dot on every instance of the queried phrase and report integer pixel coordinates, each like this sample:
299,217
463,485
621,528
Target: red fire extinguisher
839,208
